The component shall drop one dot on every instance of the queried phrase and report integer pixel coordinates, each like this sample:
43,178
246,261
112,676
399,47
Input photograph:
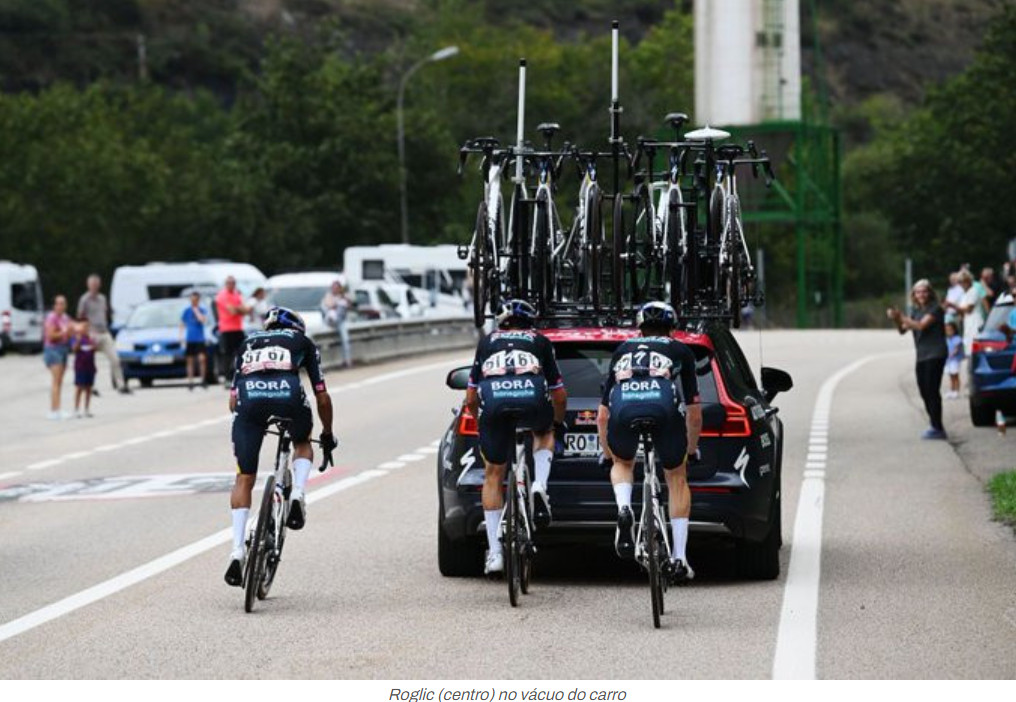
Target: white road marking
76,455
391,465
435,443
44,464
410,457
107,447
11,474
796,639
427,450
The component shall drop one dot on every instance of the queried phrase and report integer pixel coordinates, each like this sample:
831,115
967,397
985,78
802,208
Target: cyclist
641,383
515,370
266,383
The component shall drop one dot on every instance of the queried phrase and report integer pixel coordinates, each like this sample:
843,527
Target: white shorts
952,366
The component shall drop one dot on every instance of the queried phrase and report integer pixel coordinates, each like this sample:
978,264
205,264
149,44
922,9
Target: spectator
989,284
970,309
94,306
926,321
954,343
953,297
231,311
84,368
55,349
335,306
192,334
259,307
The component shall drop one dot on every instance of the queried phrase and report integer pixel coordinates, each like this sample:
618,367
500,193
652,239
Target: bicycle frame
518,546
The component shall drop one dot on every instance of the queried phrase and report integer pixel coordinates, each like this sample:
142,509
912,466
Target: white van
21,307
133,285
303,292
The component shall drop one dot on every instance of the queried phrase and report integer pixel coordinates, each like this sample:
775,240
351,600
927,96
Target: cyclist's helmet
656,315
284,318
515,313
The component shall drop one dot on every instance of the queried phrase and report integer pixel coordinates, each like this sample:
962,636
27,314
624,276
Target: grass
1003,496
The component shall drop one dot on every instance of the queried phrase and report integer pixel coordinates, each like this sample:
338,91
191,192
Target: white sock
493,519
301,471
622,493
542,460
679,528
239,527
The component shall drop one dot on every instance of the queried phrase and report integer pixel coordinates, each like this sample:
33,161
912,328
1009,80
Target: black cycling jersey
267,366
654,357
266,383
515,352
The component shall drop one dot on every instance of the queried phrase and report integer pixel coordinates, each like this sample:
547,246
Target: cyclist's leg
623,443
543,454
672,447
497,439
248,434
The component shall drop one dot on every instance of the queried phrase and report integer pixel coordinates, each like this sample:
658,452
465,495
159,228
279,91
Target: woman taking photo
55,349
927,322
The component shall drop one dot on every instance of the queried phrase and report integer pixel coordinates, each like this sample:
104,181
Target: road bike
547,241
516,529
266,539
483,251
652,543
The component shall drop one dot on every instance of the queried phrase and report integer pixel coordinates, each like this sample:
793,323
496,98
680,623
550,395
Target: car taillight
6,320
736,423
987,346
467,424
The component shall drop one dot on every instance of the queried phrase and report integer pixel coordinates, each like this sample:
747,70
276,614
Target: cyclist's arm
324,410
555,381
475,376
237,364
692,401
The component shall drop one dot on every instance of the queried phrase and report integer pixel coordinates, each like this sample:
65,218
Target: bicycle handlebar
327,459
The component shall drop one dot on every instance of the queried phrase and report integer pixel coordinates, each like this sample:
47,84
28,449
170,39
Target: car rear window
25,297
584,367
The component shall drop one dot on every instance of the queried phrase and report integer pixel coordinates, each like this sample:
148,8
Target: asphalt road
114,547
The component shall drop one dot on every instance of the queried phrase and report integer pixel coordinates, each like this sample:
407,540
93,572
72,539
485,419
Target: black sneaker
297,514
624,536
541,507
680,572
234,573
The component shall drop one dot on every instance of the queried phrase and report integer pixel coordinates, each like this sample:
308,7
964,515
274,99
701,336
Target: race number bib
269,358
655,364
512,362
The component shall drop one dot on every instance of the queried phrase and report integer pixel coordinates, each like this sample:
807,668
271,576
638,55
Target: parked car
992,378
21,307
133,285
735,487
149,344
303,292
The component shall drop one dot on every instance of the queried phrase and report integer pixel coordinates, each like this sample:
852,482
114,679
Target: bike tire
526,545
677,269
618,257
594,235
480,236
511,542
717,212
541,258
276,542
652,555
255,554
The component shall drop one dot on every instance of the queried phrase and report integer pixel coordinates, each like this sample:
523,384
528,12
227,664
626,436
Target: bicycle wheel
511,542
676,266
541,255
652,551
275,543
477,265
644,251
523,525
594,237
255,570
618,257
717,224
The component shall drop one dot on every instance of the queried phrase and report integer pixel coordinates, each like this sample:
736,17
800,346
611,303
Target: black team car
735,488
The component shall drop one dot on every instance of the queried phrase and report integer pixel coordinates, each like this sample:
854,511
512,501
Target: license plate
582,444
157,359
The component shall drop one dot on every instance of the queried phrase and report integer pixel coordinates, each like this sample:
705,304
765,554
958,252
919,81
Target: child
84,368
954,342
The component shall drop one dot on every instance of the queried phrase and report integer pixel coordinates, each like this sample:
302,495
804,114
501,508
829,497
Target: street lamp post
441,55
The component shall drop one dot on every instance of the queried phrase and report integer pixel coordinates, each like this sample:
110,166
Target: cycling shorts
251,421
647,398
508,402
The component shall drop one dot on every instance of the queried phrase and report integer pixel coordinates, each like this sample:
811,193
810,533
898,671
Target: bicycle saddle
676,120
728,152
484,143
707,133
548,129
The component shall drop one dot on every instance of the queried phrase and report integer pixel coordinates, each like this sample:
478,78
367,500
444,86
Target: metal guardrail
382,340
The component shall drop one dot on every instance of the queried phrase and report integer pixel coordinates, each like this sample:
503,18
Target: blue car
993,365
149,346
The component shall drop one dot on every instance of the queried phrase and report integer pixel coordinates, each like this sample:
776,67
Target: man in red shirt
231,311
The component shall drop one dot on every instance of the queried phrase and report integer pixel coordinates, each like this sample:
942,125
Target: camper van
133,285
21,307
435,273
